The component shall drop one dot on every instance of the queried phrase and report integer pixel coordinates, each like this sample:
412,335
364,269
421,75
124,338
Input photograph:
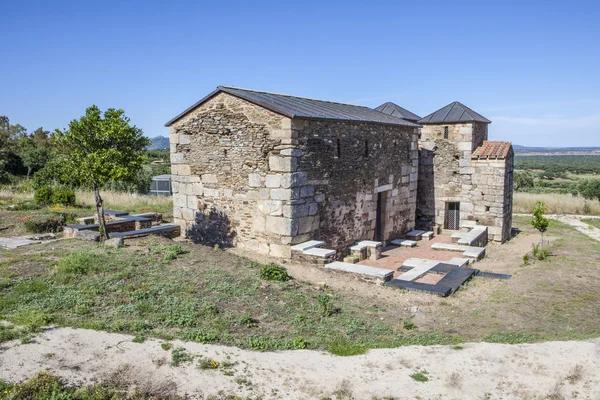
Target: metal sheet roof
454,113
305,108
395,110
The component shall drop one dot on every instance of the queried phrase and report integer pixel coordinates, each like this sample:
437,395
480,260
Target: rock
88,235
43,236
114,242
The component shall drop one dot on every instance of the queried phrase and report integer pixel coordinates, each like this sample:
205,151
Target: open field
156,288
556,203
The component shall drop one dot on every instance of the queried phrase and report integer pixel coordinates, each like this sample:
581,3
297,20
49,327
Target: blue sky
532,67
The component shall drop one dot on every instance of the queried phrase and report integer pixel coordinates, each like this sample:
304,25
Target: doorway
452,216
380,216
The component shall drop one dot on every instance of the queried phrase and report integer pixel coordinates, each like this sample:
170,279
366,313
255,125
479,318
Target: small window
445,132
487,208
338,149
366,148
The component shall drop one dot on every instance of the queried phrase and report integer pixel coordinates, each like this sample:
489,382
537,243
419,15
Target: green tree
539,221
591,189
522,180
102,147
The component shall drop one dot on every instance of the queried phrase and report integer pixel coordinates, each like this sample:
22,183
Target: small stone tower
455,188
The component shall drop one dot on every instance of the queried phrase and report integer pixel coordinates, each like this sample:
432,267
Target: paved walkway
392,257
575,221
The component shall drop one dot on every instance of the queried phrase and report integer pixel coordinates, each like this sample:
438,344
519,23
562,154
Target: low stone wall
306,259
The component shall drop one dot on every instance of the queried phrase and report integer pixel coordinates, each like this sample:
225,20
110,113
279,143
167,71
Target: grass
595,222
211,296
556,203
420,376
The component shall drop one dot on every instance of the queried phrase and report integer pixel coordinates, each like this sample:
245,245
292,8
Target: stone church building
266,171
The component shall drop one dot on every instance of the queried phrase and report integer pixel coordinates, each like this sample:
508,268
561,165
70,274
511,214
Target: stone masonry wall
491,196
347,164
448,174
235,158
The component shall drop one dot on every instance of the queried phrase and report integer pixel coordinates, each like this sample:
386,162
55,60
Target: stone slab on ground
457,277
13,243
493,275
418,271
418,262
307,245
459,262
319,252
420,287
427,235
415,235
380,273
370,243
468,251
168,230
404,242
115,213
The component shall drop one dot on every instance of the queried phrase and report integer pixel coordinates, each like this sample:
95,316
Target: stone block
295,211
285,194
192,202
319,198
291,152
282,226
279,250
265,194
210,192
271,207
179,200
188,214
464,146
307,191
228,193
185,139
114,242
176,158
253,180
273,181
294,179
173,138
258,223
176,212
313,208
209,178
305,224
282,164
184,169
197,189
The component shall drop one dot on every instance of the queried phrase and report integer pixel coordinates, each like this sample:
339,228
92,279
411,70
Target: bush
80,263
274,272
43,195
63,196
44,225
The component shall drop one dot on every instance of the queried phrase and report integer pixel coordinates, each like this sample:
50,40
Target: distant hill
159,143
522,150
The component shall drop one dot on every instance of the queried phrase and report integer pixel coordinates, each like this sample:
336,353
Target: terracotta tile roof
492,149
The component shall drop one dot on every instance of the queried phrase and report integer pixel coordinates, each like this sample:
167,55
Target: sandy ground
481,370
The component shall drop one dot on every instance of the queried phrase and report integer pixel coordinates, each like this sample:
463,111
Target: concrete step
404,242
459,262
476,253
415,235
420,287
307,245
319,252
367,249
418,262
427,235
371,272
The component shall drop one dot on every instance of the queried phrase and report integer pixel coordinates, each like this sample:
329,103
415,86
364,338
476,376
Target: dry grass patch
556,203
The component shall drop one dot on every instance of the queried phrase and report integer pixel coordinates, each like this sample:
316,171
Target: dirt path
481,370
575,221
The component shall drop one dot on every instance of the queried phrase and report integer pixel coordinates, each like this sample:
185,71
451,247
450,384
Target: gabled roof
492,149
454,113
395,110
304,108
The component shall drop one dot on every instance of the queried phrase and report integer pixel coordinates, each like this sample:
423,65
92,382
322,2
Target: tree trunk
100,213
28,172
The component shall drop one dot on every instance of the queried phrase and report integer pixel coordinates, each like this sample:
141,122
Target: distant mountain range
555,150
159,143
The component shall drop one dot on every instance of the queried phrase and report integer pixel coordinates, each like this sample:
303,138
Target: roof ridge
291,95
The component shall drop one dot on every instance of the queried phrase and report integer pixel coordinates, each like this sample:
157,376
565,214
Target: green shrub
326,306
526,259
344,348
247,321
43,195
409,325
80,263
180,356
63,196
274,272
44,225
420,376
300,343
